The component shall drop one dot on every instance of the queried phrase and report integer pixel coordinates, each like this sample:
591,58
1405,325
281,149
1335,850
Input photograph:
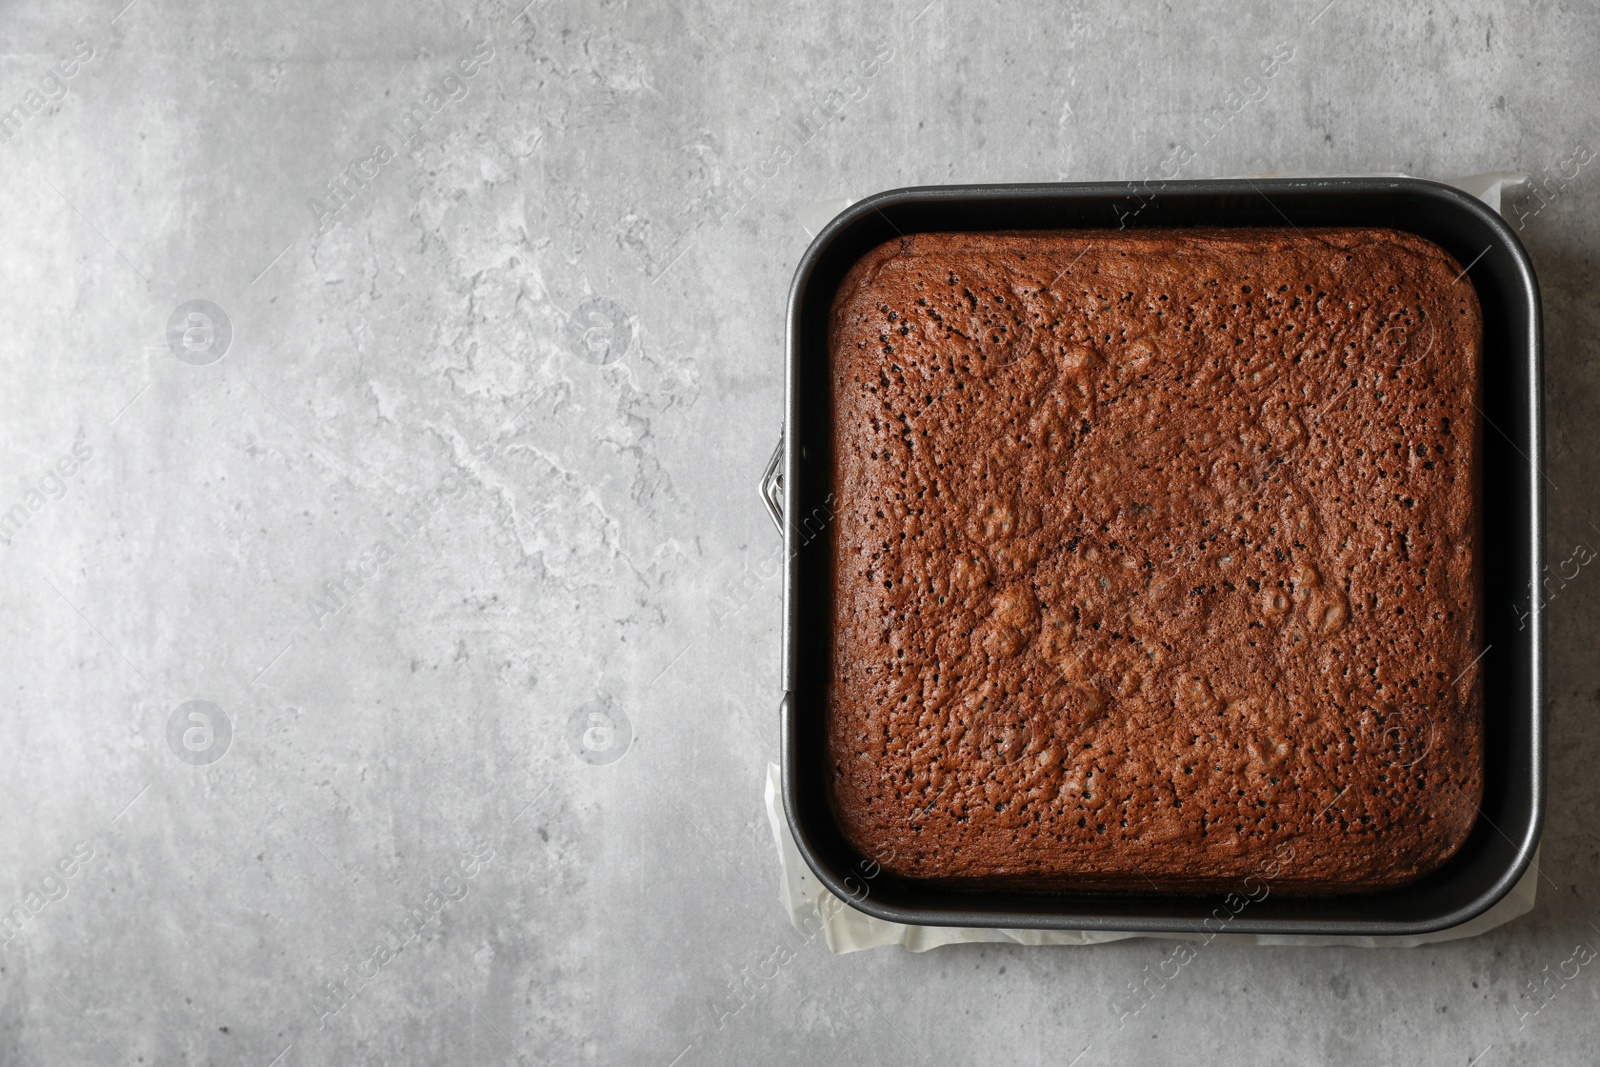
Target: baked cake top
1154,557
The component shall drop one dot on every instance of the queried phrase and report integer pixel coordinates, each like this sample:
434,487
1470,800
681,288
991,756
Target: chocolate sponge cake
1153,560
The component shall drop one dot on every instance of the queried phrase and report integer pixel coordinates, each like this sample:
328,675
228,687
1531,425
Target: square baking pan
798,491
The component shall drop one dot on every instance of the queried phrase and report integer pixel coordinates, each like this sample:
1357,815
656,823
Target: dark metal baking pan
1502,844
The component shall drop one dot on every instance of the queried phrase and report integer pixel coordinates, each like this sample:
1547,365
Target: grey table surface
460,452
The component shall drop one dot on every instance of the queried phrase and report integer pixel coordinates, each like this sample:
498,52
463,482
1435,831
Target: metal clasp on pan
772,485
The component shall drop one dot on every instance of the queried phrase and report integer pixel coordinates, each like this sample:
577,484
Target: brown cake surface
1153,558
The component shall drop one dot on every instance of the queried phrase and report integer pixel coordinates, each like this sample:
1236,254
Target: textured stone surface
555,299
1154,557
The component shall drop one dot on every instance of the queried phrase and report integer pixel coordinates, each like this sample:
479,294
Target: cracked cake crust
1153,559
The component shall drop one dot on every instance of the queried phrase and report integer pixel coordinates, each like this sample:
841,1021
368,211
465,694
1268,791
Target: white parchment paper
812,908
